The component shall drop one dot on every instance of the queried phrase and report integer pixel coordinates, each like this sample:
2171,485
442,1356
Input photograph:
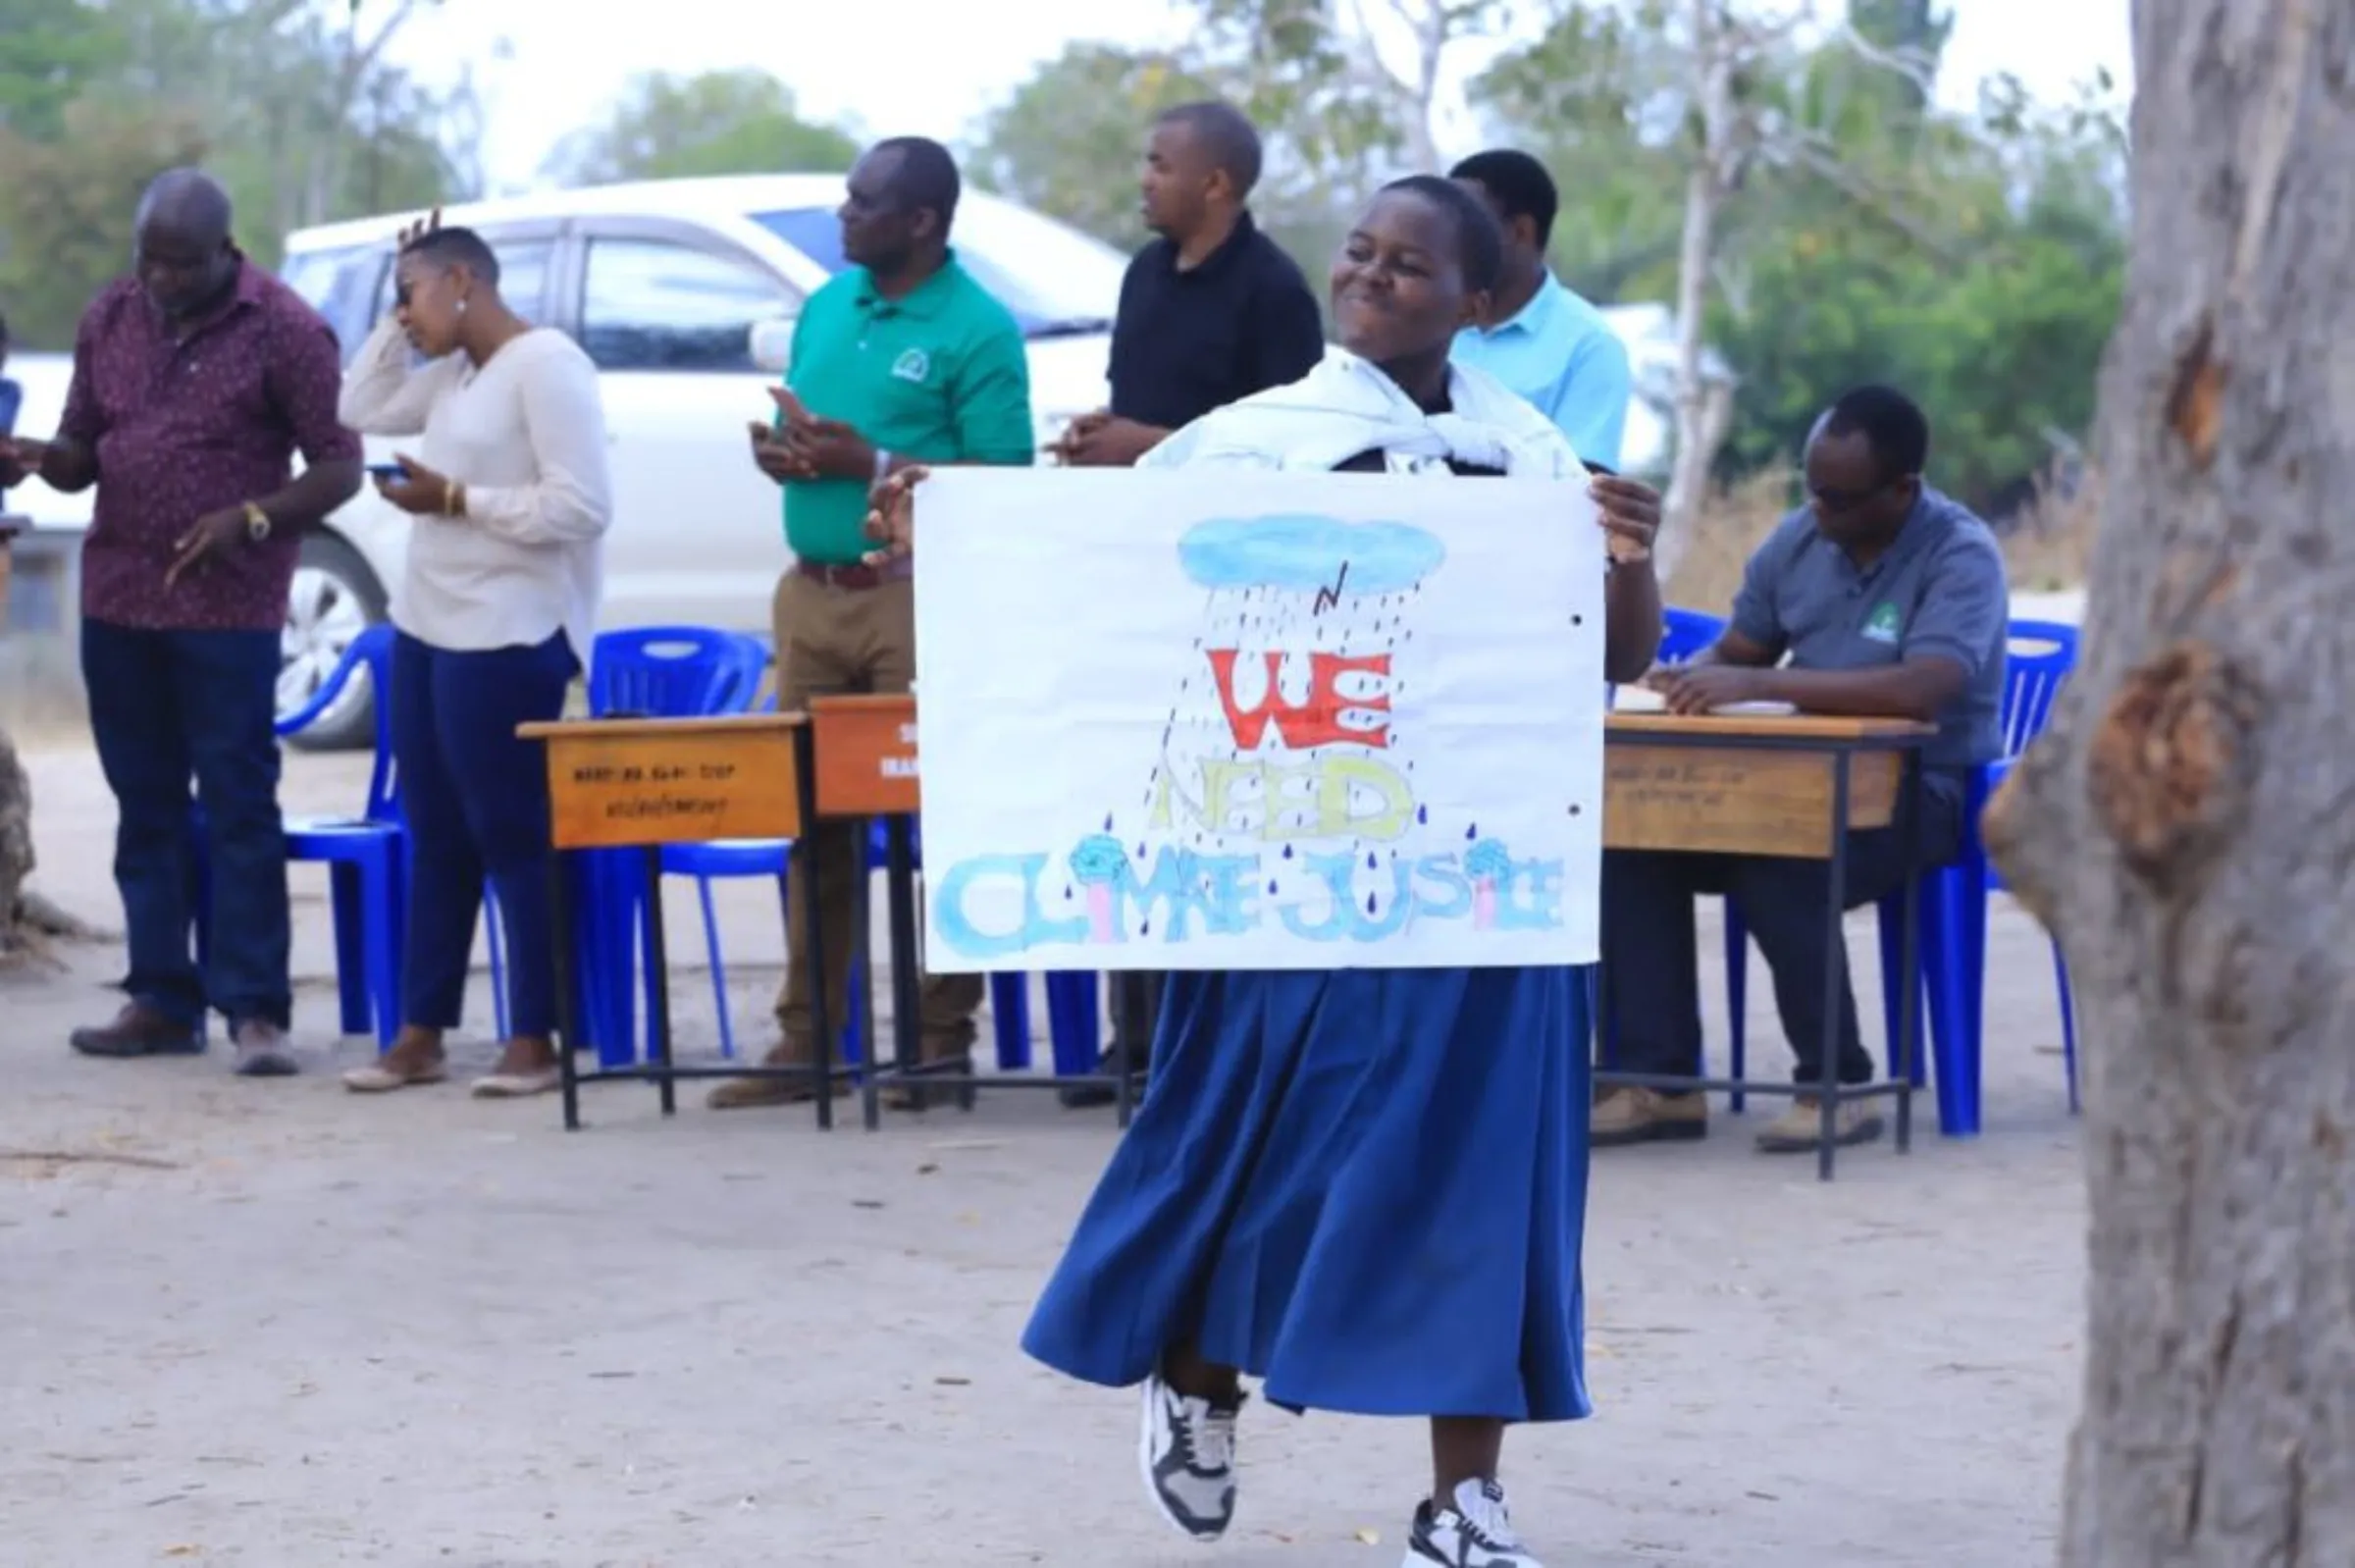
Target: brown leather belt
858,575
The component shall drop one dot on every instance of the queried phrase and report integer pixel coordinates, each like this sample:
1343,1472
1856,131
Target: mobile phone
386,470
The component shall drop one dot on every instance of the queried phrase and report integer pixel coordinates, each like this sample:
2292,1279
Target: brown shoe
1800,1129
138,1030
1646,1115
262,1051
744,1094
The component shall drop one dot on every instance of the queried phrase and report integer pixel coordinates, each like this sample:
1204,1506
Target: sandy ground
272,1324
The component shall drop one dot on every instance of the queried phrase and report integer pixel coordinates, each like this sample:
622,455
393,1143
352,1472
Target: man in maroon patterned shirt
196,380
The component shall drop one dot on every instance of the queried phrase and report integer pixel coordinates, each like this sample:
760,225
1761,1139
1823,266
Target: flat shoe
516,1086
378,1079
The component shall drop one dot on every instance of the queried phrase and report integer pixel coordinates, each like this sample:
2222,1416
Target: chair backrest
371,654
2037,663
1688,632
673,672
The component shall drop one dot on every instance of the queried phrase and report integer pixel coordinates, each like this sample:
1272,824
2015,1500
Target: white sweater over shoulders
526,435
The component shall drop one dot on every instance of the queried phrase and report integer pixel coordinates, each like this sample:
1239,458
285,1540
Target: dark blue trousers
168,707
1652,968
476,800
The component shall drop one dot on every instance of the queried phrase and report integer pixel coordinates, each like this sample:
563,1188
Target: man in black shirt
1211,312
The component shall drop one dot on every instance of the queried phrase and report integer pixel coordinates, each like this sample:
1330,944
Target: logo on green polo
1881,624
914,364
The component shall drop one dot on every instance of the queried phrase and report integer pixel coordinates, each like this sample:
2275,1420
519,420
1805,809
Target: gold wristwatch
257,523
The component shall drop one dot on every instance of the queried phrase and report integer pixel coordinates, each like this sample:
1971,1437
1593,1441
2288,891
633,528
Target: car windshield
1058,282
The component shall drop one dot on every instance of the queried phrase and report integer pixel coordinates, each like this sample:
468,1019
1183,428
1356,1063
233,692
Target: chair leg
380,895
619,912
720,973
348,904
495,937
854,1019
1075,1021
1009,1012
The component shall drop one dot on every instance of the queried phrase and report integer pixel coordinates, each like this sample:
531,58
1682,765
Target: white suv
683,293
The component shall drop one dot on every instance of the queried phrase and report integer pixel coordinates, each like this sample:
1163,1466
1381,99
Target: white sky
932,67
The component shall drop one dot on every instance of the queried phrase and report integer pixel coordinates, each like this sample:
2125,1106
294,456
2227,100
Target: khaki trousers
831,641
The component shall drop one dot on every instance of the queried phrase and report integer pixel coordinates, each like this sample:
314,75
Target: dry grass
1734,521
2048,545
2046,549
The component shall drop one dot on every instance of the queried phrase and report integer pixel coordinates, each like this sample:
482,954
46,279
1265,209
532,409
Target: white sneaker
1472,1532
1186,1453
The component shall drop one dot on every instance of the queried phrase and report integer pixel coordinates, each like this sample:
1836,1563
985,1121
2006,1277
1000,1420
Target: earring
461,305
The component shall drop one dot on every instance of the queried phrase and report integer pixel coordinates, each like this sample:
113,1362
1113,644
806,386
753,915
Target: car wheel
334,597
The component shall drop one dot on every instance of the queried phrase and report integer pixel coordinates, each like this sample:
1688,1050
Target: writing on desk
645,807
657,773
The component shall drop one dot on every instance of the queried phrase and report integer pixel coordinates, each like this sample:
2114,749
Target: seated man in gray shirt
1890,599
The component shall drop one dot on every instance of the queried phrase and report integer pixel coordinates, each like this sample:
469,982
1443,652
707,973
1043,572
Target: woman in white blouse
493,620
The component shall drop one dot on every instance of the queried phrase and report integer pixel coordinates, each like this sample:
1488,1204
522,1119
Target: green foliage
291,103
49,51
1974,261
66,208
1597,96
1070,139
667,127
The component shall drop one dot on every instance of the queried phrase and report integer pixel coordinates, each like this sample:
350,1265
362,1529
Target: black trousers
1651,969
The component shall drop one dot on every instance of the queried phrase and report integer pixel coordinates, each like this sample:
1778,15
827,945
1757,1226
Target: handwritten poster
1175,720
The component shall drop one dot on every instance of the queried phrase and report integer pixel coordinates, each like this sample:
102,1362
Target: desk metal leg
568,1015
821,1024
1909,957
859,1003
657,990
1835,954
906,977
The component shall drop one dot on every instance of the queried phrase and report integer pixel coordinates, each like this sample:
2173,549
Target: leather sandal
383,1077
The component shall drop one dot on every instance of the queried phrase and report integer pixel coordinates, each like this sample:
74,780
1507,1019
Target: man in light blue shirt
1543,340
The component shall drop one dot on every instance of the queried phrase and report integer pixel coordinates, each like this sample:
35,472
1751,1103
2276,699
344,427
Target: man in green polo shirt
903,358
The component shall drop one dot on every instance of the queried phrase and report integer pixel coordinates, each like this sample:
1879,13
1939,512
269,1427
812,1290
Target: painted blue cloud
1305,552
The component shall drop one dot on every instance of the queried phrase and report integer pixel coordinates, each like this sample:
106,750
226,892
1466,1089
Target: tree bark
2185,824
1715,116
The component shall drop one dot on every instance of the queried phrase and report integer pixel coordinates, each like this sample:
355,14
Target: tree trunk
2184,826
1695,445
1716,124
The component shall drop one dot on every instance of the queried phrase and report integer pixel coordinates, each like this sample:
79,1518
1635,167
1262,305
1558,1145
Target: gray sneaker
1186,1452
1472,1530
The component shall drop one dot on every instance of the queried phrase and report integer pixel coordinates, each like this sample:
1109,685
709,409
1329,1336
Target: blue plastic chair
1952,933
1687,634
651,673
366,855
1010,999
